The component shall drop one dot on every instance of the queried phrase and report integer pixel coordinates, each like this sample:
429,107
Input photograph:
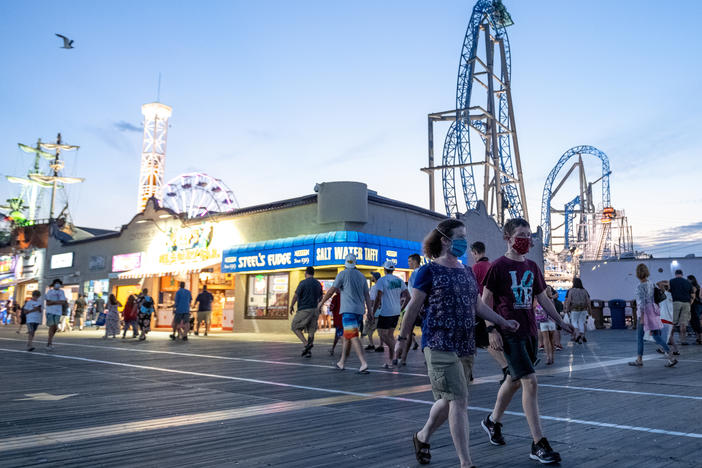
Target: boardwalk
251,401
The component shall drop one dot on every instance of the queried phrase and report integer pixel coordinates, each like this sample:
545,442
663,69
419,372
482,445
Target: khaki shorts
369,327
681,313
449,374
305,319
204,316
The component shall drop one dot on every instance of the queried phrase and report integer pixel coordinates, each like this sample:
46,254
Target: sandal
338,367
421,450
636,363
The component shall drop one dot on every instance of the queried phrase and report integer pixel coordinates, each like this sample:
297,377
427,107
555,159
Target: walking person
547,328
354,295
681,290
145,304
79,311
512,284
695,308
391,297
112,318
370,325
481,265
553,294
98,307
649,318
204,310
448,292
32,309
306,296
22,317
130,315
666,309
577,303
56,303
181,315
414,261
334,307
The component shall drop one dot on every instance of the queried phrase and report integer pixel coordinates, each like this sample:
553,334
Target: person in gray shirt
355,300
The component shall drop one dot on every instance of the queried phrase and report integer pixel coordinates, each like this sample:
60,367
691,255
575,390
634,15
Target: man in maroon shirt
511,285
480,267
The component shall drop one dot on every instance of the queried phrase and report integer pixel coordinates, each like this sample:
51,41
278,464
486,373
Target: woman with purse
649,318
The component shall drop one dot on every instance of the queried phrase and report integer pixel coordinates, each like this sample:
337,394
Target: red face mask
521,245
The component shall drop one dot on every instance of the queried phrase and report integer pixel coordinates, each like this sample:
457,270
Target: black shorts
520,353
385,323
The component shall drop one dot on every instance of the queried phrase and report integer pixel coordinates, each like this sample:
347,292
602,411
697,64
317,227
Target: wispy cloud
124,126
673,241
114,140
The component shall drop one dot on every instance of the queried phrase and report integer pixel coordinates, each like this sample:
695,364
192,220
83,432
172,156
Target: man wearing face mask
55,302
512,284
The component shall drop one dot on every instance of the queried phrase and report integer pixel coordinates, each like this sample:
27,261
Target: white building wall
616,279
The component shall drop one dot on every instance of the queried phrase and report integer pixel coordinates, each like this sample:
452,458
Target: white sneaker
49,347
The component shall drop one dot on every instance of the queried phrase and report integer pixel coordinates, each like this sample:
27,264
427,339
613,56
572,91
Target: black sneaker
379,349
197,333
306,349
172,337
543,452
494,430
370,347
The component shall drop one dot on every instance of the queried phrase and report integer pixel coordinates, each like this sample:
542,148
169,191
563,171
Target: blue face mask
459,247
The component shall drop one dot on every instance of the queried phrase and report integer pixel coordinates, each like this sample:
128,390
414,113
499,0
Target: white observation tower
153,152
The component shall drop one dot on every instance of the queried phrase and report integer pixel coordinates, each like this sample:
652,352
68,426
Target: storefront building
252,259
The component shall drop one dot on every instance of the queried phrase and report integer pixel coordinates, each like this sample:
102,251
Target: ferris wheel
196,195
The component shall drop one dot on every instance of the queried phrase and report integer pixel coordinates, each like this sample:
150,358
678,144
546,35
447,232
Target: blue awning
325,249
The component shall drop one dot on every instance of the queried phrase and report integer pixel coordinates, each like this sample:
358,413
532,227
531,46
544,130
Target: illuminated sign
189,244
249,258
64,260
6,263
126,262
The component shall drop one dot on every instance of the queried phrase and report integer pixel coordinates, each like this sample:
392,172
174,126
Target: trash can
617,309
597,314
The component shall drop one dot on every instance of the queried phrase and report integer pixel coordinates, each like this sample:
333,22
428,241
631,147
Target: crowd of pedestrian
502,306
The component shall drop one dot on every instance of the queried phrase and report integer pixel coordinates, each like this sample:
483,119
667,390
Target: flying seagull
67,43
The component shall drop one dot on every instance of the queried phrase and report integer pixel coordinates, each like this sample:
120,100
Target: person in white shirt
32,308
391,298
55,304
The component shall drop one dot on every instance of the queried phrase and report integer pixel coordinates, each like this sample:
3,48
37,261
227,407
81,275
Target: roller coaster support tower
503,186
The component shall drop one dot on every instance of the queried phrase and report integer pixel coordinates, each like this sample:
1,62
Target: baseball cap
350,261
389,265
375,275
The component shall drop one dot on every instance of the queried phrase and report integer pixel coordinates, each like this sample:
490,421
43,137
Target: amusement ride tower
489,114
153,152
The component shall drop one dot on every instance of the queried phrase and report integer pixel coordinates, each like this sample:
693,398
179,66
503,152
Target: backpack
658,295
148,302
579,299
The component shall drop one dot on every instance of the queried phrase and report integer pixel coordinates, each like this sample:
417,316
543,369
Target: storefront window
267,296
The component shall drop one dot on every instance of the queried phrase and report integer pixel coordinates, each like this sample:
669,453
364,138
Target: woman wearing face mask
511,285
448,292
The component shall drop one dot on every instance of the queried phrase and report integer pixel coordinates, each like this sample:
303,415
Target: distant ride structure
489,116
25,209
581,224
153,152
198,195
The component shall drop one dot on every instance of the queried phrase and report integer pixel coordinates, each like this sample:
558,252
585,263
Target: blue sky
273,97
